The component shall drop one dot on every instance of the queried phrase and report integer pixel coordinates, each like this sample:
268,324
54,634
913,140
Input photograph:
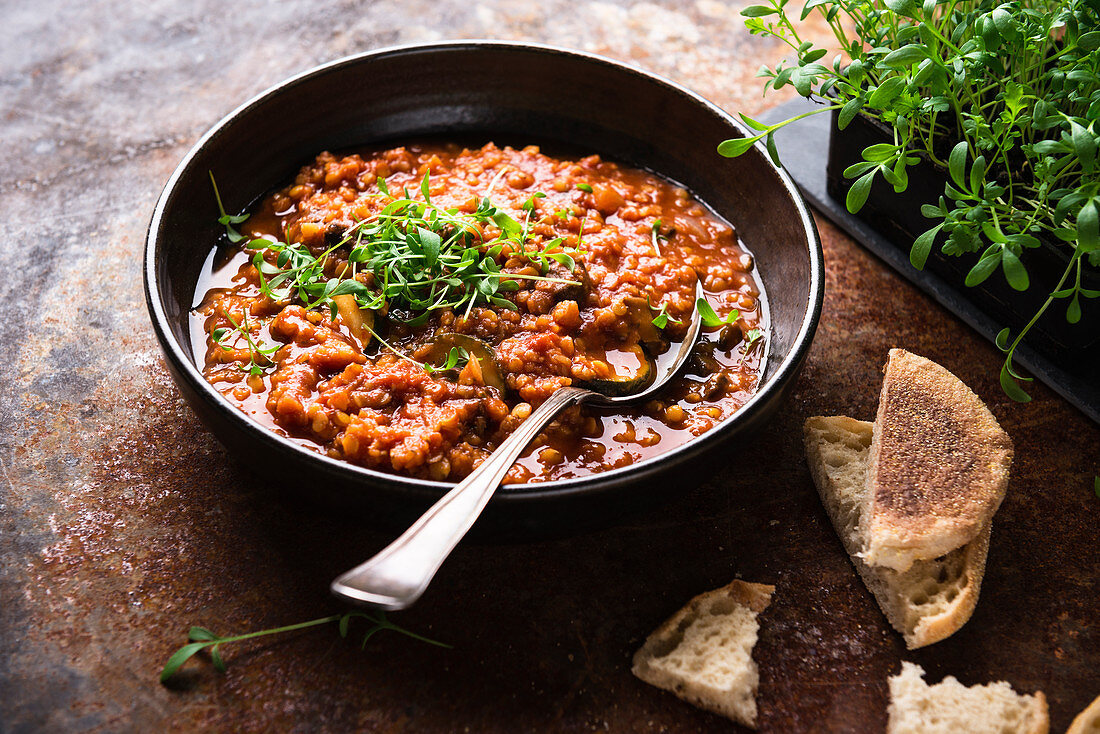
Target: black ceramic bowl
508,93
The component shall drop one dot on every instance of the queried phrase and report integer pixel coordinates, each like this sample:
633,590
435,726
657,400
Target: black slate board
804,146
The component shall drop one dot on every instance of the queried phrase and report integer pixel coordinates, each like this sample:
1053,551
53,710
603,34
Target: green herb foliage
707,315
710,319
415,256
663,319
259,356
201,638
1004,95
223,218
656,236
457,358
412,255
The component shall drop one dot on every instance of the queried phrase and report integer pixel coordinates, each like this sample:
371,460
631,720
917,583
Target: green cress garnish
201,638
663,318
259,356
420,258
752,337
656,236
457,358
711,319
706,314
223,218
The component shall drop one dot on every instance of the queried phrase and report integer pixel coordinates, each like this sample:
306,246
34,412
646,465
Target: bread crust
886,585
938,468
755,597
1088,721
983,712
1042,726
933,628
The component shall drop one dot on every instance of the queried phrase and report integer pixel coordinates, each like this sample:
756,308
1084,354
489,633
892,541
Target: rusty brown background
122,522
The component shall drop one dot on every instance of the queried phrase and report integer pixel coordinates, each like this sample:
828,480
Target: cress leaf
848,112
1014,270
710,319
424,188
179,657
757,11
754,124
886,92
1084,145
773,151
1073,310
1089,41
431,243
1012,388
922,246
736,146
956,163
857,195
216,658
906,8
858,169
984,267
905,56
810,5
1088,227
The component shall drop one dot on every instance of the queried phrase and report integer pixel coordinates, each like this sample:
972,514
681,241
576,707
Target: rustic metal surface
122,522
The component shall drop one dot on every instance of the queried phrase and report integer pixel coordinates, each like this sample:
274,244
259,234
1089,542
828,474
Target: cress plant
200,638
1003,95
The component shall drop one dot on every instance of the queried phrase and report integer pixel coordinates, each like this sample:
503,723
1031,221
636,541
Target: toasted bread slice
950,707
703,653
938,468
1088,721
932,599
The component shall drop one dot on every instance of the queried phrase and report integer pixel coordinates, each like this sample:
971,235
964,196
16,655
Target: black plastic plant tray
804,147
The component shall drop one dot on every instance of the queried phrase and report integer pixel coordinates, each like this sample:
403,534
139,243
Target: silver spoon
399,574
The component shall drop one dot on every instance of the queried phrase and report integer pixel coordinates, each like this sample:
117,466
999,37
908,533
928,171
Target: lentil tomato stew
405,309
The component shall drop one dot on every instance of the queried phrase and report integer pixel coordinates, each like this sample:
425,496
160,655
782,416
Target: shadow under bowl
508,93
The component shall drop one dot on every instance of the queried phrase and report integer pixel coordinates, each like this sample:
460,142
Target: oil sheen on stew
579,270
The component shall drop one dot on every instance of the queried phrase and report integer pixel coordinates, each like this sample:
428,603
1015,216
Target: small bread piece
1088,721
931,600
703,653
950,707
938,469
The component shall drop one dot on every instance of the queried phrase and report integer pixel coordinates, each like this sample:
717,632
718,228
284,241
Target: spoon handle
398,575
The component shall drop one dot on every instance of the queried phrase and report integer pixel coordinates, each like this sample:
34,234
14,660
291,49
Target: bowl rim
181,361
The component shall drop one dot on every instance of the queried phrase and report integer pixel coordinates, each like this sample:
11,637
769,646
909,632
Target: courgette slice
641,314
438,348
633,370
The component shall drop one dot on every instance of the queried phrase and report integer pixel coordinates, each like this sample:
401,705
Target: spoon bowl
399,574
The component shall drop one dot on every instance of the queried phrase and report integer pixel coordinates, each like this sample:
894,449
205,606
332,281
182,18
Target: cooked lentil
384,412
